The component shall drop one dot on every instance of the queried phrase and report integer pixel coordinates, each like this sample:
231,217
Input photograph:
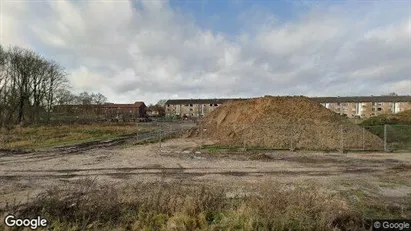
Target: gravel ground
24,175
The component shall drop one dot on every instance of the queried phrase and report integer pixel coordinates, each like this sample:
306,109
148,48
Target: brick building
107,111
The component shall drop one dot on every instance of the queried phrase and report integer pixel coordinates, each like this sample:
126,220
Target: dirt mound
283,122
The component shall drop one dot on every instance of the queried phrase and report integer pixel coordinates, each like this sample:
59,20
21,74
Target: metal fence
347,137
341,138
397,137
159,131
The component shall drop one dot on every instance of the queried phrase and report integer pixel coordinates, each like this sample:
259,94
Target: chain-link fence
159,131
398,137
347,137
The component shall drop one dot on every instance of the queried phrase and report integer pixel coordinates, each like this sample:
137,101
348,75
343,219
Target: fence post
342,137
201,136
385,138
363,138
137,131
291,138
161,128
243,137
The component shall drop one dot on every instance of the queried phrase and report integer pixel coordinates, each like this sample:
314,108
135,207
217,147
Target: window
191,109
379,109
211,104
191,105
168,105
186,105
215,105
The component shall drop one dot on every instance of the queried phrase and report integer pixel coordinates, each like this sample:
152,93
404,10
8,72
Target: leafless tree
28,83
99,99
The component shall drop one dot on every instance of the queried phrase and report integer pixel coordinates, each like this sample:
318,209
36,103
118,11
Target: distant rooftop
200,101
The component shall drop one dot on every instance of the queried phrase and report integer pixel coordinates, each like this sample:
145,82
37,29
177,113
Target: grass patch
216,148
49,136
168,206
220,148
398,129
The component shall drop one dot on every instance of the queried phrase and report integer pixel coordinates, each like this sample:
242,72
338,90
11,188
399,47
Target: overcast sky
150,50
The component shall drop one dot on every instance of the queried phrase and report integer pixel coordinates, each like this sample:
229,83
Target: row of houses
352,107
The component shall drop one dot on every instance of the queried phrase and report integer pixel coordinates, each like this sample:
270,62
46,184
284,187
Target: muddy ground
384,175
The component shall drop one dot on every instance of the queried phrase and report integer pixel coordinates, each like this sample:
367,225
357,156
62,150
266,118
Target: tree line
31,85
66,97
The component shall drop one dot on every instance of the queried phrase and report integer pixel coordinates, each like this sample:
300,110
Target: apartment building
352,107
192,107
365,106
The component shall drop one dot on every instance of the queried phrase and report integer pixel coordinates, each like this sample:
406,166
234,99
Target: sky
148,50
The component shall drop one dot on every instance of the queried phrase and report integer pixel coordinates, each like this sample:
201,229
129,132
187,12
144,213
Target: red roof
114,105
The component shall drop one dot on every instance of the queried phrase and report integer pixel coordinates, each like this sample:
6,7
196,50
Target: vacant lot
374,185
40,137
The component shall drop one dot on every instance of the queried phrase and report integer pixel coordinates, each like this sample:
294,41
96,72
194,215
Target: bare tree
56,79
28,83
65,97
99,99
85,98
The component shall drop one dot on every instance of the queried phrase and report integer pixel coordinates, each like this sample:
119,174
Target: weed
168,206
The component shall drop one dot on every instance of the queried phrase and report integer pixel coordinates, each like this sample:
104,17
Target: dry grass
161,206
49,136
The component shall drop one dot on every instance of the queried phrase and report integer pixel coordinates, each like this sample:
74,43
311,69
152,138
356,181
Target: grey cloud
144,50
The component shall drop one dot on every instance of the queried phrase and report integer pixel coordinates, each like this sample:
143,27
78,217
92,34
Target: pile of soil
286,122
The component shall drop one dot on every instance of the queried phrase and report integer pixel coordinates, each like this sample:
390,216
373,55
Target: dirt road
383,174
